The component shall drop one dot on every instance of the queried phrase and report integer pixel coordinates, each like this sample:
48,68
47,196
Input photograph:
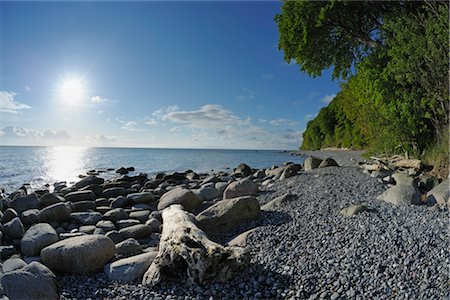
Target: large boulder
115,215
21,204
59,212
405,191
128,247
328,162
243,170
50,199
440,194
114,192
290,170
88,180
355,209
228,214
86,218
311,163
144,197
34,281
80,196
188,199
79,255
278,202
131,268
36,238
208,192
14,228
139,231
243,187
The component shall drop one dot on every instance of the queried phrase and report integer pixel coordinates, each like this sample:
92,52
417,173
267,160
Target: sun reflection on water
65,163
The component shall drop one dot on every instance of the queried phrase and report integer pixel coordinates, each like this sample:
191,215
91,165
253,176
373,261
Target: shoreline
301,246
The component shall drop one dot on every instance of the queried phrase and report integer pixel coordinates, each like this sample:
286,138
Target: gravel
307,250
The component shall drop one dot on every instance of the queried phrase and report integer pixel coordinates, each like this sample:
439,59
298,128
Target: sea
38,166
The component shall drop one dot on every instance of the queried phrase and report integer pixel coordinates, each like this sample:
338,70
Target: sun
71,91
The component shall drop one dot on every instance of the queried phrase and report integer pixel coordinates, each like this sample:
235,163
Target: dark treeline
393,59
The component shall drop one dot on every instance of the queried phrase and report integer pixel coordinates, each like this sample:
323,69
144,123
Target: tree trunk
185,249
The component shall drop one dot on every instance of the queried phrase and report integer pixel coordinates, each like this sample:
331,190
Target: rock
59,212
83,206
243,187
140,215
86,218
328,162
114,192
243,170
126,223
118,202
7,251
14,228
106,225
122,171
131,268
34,281
115,236
64,236
440,194
154,224
50,199
403,193
356,209
88,180
221,186
241,239
21,204
95,188
29,217
275,171
208,192
36,238
128,247
228,214
277,202
312,163
144,197
9,215
115,214
290,170
80,196
12,264
89,229
79,255
139,231
185,197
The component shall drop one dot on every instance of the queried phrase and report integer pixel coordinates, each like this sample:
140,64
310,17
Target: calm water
41,165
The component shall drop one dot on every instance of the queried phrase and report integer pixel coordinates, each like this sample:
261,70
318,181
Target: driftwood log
185,250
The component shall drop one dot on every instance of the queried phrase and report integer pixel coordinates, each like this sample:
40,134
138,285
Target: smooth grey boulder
228,214
105,225
86,218
154,224
29,216
243,187
12,264
405,191
126,223
36,238
208,192
50,199
328,162
290,170
88,180
243,170
241,239
59,212
131,268
79,255
144,197
139,231
440,194
114,192
21,204
188,199
128,247
354,209
115,236
34,281
9,215
311,163
14,228
84,206
115,215
277,202
140,215
80,196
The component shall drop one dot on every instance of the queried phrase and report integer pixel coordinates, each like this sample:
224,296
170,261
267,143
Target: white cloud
327,98
27,88
152,122
283,122
129,125
309,117
262,120
174,129
9,105
56,135
98,99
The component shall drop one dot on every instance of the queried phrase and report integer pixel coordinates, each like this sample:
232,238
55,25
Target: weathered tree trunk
185,249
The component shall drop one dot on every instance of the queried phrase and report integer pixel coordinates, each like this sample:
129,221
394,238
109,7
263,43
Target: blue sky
151,74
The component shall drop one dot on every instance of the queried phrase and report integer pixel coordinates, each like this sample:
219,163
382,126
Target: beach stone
126,223
64,236
290,170
118,202
139,231
440,194
140,215
228,214
328,162
243,170
34,281
89,180
356,209
79,255
105,225
102,202
128,247
58,212
80,196
14,228
7,251
114,192
36,238
185,197
208,192
86,218
9,215
21,204
275,171
312,163
83,206
115,214
243,187
95,188
405,191
50,199
221,186
143,197
154,224
131,268
12,264
29,216
122,170
115,236
89,229
277,202
241,239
